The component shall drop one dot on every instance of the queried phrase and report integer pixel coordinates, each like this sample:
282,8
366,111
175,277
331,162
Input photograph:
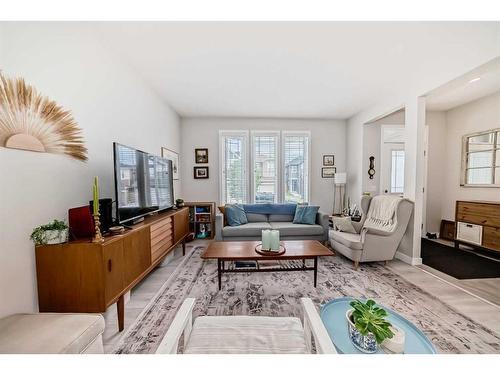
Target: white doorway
392,159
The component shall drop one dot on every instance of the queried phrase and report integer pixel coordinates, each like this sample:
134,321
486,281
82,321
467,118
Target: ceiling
287,69
479,82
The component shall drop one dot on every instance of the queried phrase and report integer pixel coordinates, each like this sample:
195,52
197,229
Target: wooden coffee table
245,251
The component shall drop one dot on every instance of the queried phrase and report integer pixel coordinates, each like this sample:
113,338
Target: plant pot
367,344
53,237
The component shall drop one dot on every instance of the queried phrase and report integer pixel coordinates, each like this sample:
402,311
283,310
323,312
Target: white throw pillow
343,224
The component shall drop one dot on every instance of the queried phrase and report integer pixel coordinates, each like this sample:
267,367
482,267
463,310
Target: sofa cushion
246,230
256,218
235,215
270,208
49,333
287,228
305,214
351,240
280,217
246,335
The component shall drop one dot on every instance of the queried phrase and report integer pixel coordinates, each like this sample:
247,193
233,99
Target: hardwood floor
447,289
477,308
140,297
488,289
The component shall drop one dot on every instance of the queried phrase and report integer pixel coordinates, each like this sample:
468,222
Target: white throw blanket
382,213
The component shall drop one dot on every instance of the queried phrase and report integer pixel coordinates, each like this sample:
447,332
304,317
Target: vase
53,237
365,343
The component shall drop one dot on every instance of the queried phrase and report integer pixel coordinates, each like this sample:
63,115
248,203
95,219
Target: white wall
327,137
483,114
109,102
371,147
436,169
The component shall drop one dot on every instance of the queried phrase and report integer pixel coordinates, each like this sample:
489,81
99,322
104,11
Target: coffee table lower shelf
222,269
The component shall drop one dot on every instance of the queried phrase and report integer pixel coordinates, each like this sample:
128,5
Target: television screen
143,183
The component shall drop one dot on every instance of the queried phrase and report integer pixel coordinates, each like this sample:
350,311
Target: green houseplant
52,233
367,325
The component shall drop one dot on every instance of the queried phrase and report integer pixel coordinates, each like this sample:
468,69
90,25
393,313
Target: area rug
460,264
279,293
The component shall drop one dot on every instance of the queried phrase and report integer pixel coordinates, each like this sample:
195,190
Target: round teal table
333,317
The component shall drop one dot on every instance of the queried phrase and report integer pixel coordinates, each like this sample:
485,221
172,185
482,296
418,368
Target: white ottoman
51,333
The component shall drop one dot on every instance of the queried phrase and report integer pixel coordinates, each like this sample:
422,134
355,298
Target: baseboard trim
407,259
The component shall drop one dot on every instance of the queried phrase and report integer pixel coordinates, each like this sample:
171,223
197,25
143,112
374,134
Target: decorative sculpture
31,121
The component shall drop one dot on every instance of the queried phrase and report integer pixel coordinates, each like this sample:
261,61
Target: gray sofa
252,231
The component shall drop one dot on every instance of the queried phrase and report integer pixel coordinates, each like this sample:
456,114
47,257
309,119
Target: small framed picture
200,172
328,172
328,160
201,155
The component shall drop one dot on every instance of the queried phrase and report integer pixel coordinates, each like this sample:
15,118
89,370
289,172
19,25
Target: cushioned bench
51,333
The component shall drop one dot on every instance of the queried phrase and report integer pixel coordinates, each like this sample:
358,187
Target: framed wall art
328,160
174,157
200,172
328,172
201,155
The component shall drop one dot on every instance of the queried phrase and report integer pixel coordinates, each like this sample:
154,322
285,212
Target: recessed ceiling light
474,79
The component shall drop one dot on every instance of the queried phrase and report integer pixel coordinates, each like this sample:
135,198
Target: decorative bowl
367,344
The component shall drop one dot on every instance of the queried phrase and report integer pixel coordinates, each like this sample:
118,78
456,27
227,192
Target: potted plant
53,233
367,325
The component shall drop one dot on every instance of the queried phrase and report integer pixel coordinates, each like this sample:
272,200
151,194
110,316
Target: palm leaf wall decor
31,121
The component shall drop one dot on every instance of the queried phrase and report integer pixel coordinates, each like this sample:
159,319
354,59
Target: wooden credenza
478,222
82,276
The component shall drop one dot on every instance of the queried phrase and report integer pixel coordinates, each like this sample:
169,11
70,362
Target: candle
266,239
275,240
95,190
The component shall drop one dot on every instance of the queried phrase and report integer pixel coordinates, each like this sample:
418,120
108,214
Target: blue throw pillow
305,214
235,215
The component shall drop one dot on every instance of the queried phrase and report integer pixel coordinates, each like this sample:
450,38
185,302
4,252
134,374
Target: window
296,167
278,165
397,171
265,167
233,167
481,159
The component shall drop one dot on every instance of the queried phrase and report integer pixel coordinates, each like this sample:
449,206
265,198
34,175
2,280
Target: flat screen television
143,183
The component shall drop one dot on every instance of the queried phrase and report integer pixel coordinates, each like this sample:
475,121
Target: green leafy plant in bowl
368,326
369,318
52,233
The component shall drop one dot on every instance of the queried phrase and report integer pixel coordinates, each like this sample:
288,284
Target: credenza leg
120,309
183,247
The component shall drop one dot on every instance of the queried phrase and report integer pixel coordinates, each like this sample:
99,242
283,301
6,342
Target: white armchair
246,334
371,245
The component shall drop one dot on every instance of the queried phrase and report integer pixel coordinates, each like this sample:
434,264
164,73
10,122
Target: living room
285,148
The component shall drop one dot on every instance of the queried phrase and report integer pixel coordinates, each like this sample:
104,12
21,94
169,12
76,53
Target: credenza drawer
471,233
160,223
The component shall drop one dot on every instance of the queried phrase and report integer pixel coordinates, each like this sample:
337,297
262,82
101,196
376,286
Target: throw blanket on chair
382,213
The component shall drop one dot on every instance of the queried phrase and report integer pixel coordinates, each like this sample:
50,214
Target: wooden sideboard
86,277
482,217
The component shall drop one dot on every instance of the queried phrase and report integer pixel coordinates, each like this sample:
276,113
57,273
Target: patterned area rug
278,294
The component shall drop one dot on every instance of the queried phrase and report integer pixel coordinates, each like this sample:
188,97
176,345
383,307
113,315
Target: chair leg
356,265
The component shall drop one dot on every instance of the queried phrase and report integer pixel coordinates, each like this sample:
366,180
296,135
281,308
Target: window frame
251,187
304,133
248,154
222,162
465,159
